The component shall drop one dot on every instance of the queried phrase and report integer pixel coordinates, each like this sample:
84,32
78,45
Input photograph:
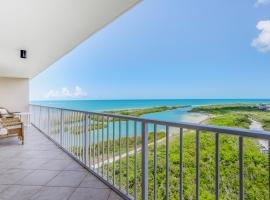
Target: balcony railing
133,156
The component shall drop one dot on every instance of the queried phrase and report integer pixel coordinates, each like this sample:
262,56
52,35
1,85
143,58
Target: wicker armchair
13,126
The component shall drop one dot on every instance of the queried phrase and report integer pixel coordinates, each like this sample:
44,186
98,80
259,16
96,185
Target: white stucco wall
14,94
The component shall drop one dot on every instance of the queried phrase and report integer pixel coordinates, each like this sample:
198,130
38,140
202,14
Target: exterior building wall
14,94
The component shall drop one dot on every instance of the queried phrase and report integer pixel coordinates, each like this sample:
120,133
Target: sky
169,49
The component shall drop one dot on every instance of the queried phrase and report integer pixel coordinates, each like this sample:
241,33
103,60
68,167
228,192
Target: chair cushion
3,111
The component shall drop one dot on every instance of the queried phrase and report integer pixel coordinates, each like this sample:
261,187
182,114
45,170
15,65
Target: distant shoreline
109,105
143,111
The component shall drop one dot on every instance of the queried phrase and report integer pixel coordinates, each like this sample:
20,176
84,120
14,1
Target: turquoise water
101,105
177,115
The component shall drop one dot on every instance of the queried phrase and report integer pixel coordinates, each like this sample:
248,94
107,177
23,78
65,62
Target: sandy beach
258,126
196,118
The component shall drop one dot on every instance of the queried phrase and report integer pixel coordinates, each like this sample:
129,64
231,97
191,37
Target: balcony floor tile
19,192
55,193
39,170
68,178
90,193
38,177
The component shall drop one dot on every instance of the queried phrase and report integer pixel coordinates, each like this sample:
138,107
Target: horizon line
149,99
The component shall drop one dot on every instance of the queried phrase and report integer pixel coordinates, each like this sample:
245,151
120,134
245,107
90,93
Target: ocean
177,115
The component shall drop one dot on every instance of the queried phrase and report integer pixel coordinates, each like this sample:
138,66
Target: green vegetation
143,111
255,162
247,111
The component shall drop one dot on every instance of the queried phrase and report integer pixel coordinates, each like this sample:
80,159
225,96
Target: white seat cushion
3,111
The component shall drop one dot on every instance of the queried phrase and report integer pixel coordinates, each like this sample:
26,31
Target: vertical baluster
81,132
197,164
120,155
79,136
135,165
94,143
98,142
83,144
269,169
76,136
241,166
113,151
72,132
127,157
102,146
144,161
49,120
85,138
181,165
167,163
39,117
155,161
217,166
58,137
67,129
108,148
90,141
78,139
62,126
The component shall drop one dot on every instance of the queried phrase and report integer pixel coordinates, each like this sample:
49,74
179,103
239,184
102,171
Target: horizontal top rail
201,127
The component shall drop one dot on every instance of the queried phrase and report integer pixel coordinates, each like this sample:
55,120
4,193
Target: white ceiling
48,29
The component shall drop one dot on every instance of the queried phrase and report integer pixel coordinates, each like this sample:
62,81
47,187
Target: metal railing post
49,120
39,117
144,161
62,126
241,169
217,165
85,138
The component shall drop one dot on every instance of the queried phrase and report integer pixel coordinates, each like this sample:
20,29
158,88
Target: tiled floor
39,170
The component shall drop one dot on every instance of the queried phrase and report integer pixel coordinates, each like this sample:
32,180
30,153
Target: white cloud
262,2
262,42
65,93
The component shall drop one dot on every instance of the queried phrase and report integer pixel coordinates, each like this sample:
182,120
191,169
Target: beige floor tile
55,165
19,192
68,179
92,182
54,193
90,194
12,176
39,170
114,196
38,177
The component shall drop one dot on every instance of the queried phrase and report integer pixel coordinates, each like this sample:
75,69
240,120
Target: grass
143,111
247,111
